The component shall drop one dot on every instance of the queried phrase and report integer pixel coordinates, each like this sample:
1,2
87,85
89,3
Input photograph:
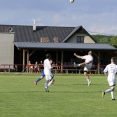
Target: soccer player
43,75
47,71
87,64
110,71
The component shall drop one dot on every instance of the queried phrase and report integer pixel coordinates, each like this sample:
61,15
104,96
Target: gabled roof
78,28
65,46
26,33
71,33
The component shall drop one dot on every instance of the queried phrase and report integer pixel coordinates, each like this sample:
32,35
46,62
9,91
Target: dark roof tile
26,33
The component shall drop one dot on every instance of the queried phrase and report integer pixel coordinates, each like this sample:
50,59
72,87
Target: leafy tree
111,40
114,41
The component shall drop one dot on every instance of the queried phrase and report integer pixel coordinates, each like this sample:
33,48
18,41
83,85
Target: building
19,44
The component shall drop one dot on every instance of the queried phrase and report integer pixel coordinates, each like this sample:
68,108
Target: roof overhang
65,46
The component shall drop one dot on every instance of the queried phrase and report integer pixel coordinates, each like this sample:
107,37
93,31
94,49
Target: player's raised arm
81,57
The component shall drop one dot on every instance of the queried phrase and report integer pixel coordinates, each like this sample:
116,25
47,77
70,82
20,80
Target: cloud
94,15
58,18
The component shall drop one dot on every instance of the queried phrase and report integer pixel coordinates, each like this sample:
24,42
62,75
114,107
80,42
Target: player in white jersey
110,71
47,72
87,64
43,75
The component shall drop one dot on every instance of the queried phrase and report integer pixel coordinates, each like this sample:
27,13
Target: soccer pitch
69,96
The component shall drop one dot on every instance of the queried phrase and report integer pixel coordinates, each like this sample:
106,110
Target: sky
96,16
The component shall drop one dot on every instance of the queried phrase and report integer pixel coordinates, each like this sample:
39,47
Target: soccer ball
71,1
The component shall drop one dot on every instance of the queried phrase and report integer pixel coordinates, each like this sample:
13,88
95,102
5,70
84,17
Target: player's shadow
71,92
84,84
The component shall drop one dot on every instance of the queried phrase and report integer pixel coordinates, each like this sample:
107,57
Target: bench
95,71
67,70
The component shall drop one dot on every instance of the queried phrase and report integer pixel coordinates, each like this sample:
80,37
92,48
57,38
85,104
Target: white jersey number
112,69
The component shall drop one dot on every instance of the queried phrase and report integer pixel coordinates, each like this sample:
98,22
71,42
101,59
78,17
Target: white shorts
87,67
48,77
112,82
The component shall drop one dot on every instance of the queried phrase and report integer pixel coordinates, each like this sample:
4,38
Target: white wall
87,39
6,48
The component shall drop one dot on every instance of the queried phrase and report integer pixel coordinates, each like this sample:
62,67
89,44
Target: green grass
68,97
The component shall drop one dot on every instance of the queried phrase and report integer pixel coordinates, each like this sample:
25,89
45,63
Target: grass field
68,97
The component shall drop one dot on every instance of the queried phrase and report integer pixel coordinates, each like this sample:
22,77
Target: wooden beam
95,54
61,61
32,52
57,57
23,59
98,62
27,59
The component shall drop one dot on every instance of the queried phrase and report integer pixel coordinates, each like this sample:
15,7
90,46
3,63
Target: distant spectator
36,67
30,67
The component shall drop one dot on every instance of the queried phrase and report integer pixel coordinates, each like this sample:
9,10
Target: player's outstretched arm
78,56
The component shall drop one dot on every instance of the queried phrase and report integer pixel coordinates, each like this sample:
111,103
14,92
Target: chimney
34,26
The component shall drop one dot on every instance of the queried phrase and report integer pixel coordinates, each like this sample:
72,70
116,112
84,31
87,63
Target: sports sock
38,79
108,90
50,83
88,80
112,94
46,85
78,65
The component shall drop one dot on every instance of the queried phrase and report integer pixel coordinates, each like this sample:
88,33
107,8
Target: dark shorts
85,71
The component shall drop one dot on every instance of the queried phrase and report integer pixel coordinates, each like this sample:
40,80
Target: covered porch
62,53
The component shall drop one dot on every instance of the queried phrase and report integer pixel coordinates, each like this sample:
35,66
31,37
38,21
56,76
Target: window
44,39
55,39
80,39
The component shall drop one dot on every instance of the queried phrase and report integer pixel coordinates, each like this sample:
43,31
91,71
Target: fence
11,68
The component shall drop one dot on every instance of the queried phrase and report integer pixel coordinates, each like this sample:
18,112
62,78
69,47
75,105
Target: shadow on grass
85,84
52,91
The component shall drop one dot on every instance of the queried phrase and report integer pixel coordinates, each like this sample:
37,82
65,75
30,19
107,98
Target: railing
10,67
96,69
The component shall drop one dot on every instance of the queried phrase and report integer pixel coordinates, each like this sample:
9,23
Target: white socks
50,83
112,94
88,80
46,85
78,65
108,90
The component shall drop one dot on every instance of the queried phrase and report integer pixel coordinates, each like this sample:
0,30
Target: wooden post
56,56
98,57
27,60
23,60
9,68
61,61
98,62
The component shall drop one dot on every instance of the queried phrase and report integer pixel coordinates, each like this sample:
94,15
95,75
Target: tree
111,40
114,41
